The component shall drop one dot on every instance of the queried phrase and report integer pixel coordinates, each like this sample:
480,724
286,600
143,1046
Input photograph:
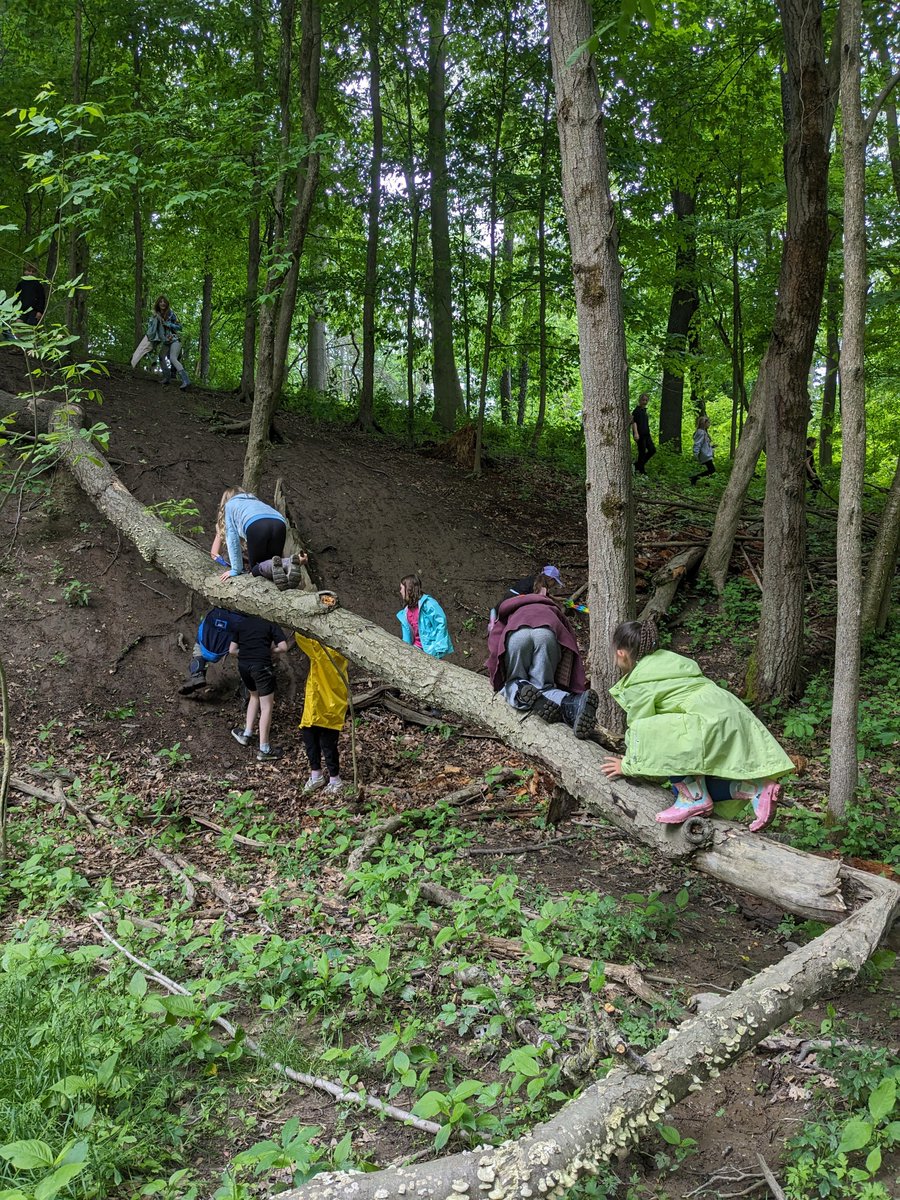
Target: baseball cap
552,573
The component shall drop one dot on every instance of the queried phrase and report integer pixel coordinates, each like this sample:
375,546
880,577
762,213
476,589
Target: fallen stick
525,848
218,889
756,578
241,840
173,868
310,1081
774,1187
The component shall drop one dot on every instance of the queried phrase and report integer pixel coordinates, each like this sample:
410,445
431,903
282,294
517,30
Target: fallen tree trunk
611,1115
809,887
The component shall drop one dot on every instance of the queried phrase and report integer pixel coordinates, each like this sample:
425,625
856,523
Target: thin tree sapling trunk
366,416
682,310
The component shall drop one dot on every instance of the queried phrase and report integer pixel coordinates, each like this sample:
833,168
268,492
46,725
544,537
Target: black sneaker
271,755
240,736
579,711
294,572
532,699
279,574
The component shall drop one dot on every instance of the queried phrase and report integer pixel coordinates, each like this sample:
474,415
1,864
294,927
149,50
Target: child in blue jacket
422,619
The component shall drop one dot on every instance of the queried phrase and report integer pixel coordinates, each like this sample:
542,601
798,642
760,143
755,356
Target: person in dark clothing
32,295
812,475
640,429
211,646
253,640
548,582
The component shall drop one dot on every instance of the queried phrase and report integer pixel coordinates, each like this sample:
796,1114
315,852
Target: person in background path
534,660
703,450
325,704
170,345
253,641
242,515
422,620
812,475
640,430
32,295
685,728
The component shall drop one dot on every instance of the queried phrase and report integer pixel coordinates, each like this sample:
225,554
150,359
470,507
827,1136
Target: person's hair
702,422
547,582
228,494
158,302
644,396
636,638
810,439
411,586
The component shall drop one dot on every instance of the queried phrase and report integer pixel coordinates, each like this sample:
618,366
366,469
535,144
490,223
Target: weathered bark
808,102
316,357
683,309
610,1115
877,593
254,244
448,400
832,363
593,238
492,269
367,394
845,707
810,887
738,379
205,325
78,255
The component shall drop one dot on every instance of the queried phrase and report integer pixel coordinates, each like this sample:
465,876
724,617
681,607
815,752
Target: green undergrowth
126,1089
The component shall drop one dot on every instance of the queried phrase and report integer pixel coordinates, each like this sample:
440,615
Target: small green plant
123,713
77,594
174,755
681,1148
181,516
60,659
31,1155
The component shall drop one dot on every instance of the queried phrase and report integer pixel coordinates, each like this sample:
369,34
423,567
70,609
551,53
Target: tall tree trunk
316,356
291,246
845,704
206,325
781,385
137,220
492,270
412,195
738,380
254,245
448,401
808,101
881,563
464,289
542,273
370,287
506,259
593,238
682,310
832,362
78,254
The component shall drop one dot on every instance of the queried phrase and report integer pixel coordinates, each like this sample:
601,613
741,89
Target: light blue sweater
433,632
240,512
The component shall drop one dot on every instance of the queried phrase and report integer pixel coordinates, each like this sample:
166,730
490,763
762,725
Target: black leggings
265,538
320,741
708,469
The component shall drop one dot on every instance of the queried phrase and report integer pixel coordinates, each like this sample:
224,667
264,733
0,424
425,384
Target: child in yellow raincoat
324,709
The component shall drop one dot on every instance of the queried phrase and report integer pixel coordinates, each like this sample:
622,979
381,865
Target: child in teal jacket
422,619
685,728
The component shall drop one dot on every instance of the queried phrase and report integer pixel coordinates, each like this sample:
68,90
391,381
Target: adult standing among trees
640,431
170,346
32,295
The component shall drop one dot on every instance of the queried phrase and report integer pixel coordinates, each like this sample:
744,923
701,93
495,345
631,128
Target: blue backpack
215,633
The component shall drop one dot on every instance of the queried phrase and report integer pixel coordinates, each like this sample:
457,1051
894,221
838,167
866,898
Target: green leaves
32,1154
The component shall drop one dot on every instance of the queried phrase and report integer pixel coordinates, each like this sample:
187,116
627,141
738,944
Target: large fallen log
610,1115
800,883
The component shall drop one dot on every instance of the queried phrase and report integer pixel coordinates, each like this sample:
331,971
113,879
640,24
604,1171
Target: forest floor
95,704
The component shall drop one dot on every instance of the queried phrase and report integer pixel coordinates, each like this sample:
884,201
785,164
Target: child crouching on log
685,728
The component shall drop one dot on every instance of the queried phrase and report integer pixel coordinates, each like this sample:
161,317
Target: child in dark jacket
253,641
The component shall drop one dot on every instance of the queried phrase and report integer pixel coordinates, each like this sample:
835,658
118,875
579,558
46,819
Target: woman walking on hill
685,728
244,516
169,330
703,450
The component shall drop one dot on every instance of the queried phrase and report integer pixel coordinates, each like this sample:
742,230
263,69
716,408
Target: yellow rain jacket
325,700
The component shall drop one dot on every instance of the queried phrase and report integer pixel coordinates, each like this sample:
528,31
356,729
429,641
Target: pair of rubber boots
284,572
578,709
692,799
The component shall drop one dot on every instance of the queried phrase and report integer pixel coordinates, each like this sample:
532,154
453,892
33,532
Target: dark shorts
258,677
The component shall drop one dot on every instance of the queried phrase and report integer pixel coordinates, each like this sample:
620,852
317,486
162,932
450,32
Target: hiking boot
279,574
242,737
294,571
271,755
691,800
313,785
193,684
532,699
579,711
764,795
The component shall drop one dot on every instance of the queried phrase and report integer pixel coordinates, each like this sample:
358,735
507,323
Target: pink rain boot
692,800
764,795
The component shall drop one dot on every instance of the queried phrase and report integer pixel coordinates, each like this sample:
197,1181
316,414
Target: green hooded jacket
681,723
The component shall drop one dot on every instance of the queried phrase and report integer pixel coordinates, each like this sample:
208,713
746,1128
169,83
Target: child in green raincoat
685,728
